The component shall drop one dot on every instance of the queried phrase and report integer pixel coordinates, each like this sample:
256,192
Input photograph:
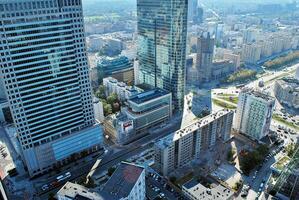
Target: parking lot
158,188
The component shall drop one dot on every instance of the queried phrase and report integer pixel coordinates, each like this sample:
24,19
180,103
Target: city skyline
149,99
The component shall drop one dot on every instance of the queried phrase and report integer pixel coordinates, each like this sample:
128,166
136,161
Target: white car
45,187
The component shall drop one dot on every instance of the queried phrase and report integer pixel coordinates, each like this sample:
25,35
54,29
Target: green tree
51,196
111,171
90,182
172,179
100,93
113,98
107,108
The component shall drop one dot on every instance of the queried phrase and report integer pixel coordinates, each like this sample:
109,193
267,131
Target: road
113,158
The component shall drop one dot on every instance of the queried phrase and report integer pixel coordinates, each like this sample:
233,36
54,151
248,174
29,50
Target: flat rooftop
216,191
200,123
169,139
148,95
123,180
258,94
79,192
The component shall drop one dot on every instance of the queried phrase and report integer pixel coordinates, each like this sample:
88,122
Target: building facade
120,68
251,53
254,113
126,183
180,148
123,91
143,111
286,91
45,74
162,35
204,57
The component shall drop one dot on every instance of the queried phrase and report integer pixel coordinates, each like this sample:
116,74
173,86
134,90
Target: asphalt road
111,159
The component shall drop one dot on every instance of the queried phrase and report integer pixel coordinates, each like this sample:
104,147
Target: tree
51,196
100,93
90,182
172,179
113,98
291,149
107,109
111,171
115,107
230,155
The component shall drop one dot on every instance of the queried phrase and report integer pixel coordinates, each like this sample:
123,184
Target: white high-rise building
251,53
180,148
254,113
45,71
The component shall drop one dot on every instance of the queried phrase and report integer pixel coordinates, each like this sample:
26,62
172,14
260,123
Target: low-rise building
286,91
126,183
119,67
98,110
222,68
235,58
73,191
143,111
194,190
123,91
181,147
254,113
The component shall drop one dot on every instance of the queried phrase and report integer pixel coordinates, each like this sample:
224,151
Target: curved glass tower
162,33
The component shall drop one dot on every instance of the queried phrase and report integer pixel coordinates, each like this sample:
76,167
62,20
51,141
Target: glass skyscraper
162,33
44,67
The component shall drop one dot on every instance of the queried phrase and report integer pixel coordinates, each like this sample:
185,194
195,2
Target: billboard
127,126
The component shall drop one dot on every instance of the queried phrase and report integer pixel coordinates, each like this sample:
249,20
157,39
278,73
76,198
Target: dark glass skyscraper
162,33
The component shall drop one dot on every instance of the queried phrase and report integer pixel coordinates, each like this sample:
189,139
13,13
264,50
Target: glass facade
45,74
162,32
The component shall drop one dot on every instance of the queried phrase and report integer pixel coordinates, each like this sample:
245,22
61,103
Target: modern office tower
118,67
180,148
199,18
254,113
192,9
45,71
204,57
162,34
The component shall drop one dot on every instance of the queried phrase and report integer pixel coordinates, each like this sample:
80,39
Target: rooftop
200,123
258,94
148,95
201,192
168,140
123,180
79,192
289,82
